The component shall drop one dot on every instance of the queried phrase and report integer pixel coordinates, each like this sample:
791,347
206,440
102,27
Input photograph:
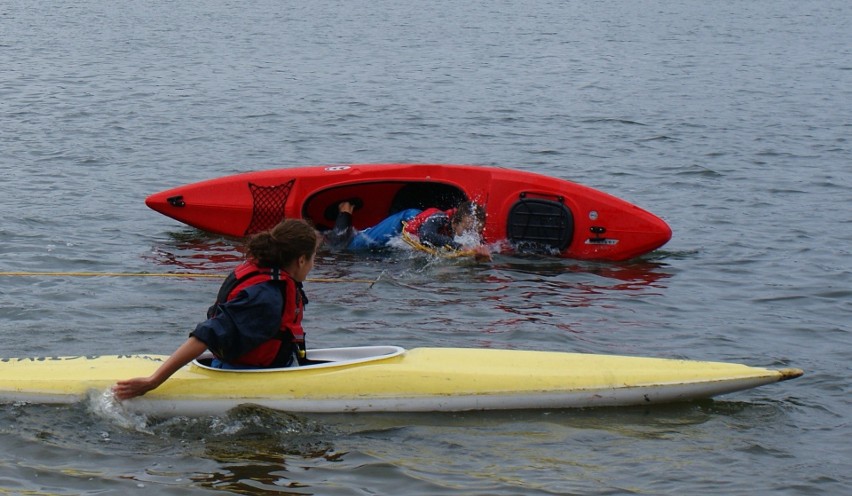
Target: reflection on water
636,273
252,448
531,289
246,447
197,251
249,432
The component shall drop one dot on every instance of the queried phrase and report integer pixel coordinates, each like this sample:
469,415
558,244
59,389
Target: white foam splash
468,240
399,243
106,406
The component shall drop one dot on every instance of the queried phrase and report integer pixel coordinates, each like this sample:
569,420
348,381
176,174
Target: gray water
729,119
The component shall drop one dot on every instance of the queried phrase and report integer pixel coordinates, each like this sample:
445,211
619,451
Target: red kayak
531,212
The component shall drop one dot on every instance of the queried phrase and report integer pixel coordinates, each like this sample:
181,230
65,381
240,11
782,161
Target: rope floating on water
161,274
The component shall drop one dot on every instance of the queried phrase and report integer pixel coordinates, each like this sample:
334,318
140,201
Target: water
731,120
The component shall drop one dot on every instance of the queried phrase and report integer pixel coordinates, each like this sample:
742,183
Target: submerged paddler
455,229
256,321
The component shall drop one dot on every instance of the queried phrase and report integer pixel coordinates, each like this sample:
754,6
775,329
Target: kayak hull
526,212
391,379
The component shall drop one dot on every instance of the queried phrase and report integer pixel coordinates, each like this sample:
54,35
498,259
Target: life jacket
413,225
294,300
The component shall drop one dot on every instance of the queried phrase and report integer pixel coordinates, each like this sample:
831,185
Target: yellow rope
107,274
157,274
445,252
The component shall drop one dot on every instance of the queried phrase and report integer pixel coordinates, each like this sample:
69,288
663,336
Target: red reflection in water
199,253
540,291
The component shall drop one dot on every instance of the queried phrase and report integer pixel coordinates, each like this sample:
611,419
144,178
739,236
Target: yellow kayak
391,379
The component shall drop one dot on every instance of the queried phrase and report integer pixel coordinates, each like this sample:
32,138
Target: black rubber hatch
539,225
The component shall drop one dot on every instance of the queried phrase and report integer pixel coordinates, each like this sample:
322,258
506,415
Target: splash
468,239
105,406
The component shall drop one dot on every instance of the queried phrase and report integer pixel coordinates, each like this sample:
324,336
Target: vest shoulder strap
237,278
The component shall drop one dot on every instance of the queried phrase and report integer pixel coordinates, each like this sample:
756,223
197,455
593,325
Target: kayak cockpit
319,358
377,199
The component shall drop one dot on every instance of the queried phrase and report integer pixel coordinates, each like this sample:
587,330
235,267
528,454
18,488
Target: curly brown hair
284,243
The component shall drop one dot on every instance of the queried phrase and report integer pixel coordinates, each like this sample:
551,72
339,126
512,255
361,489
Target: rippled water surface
729,119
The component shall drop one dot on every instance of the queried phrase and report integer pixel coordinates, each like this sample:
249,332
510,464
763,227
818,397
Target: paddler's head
469,217
291,245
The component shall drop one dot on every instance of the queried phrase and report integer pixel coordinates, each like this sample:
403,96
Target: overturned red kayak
530,212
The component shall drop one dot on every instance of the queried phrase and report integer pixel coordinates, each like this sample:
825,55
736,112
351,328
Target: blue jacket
242,324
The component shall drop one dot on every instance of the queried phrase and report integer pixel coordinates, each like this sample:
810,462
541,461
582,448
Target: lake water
729,119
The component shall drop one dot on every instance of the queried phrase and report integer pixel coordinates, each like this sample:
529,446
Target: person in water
256,321
432,227
458,228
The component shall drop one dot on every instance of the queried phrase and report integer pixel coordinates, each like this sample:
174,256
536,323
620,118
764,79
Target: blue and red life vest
273,352
413,225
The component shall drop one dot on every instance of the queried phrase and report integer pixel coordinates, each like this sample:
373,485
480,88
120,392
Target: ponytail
284,243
